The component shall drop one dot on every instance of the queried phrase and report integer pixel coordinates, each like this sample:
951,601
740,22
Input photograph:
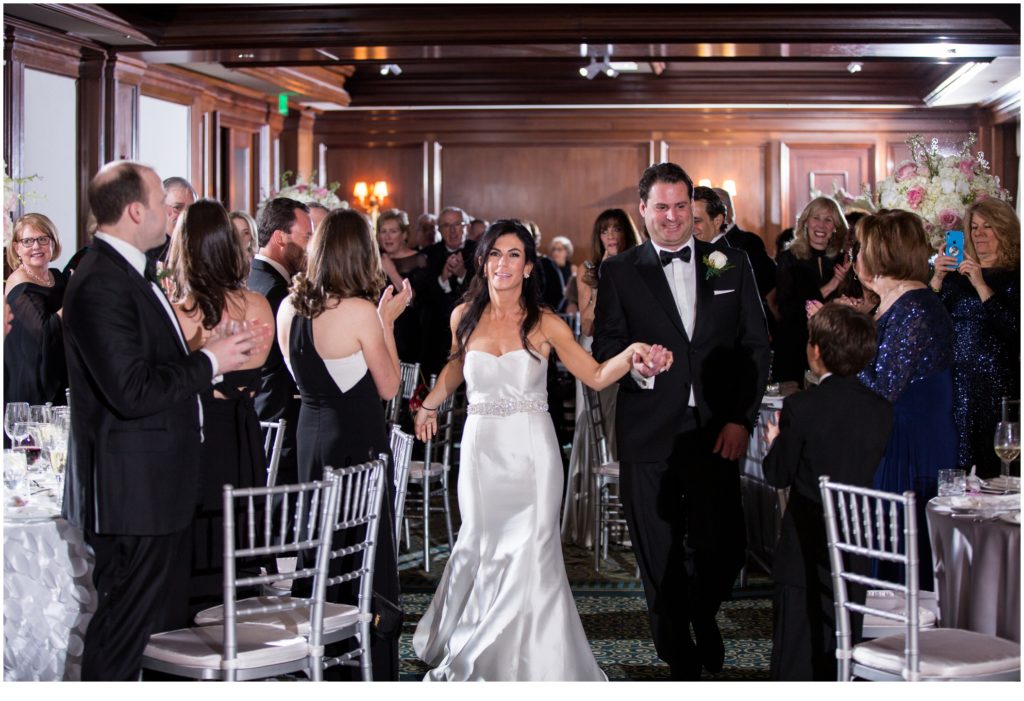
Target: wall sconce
705,182
377,195
730,187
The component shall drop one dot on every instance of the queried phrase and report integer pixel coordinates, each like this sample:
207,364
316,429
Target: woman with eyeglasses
34,367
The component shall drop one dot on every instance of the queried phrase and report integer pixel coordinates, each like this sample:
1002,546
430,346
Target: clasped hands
651,360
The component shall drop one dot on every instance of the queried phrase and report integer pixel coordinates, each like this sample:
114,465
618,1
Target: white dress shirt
682,281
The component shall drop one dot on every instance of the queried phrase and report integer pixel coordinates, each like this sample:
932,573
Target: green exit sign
282,103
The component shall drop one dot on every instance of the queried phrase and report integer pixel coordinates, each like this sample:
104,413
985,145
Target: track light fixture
602,65
390,69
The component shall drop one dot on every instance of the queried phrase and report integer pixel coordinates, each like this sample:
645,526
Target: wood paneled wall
562,167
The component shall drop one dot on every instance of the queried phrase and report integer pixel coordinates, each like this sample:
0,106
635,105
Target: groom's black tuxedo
133,466
682,502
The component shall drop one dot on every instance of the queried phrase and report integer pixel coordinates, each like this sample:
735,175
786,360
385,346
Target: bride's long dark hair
478,296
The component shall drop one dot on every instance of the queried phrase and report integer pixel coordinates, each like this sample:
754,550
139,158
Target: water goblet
1007,444
14,413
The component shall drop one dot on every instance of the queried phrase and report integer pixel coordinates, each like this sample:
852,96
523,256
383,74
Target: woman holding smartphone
982,296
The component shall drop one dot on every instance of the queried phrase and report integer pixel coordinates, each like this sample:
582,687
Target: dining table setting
49,597
974,528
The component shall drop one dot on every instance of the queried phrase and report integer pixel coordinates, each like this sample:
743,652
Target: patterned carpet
614,614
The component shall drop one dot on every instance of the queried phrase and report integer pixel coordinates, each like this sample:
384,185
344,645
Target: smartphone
955,246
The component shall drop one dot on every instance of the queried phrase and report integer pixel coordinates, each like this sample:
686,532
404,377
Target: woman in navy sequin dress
913,365
982,296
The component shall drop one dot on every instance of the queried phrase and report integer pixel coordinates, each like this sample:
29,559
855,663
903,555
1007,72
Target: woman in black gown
982,296
812,268
402,262
34,367
340,347
210,268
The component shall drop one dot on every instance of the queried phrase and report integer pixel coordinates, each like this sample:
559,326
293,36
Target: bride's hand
425,424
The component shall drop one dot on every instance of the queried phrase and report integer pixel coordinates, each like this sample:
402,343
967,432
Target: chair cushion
295,621
944,652
416,469
258,646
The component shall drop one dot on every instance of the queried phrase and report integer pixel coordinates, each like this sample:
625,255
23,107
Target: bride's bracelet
428,410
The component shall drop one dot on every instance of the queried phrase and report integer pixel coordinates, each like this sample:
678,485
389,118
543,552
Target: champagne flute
55,442
1007,444
15,413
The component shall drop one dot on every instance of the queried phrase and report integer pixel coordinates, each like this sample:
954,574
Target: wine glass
14,413
39,413
1007,444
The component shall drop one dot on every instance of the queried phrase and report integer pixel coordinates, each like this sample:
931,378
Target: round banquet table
48,599
977,572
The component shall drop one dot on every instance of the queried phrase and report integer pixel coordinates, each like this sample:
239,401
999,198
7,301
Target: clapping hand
234,349
771,430
652,360
812,306
392,305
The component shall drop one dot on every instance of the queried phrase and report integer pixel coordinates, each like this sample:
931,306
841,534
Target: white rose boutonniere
716,263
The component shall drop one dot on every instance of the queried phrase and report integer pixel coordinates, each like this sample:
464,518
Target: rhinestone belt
507,407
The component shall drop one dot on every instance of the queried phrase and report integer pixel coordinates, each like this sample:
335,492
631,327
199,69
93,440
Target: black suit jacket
840,429
277,388
133,466
762,264
726,361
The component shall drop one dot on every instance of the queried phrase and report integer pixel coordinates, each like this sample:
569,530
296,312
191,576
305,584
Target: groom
680,434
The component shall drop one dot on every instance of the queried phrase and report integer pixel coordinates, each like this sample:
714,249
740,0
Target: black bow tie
682,254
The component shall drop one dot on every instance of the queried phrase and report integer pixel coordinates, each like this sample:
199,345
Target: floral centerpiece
305,191
938,187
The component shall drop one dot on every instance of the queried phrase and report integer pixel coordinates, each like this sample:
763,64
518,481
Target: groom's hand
732,442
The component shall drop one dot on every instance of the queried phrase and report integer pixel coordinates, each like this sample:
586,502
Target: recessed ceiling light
246,55
854,66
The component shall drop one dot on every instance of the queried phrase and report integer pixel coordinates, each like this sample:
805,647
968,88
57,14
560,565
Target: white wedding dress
503,610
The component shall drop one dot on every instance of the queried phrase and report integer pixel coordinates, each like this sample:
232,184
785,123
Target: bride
503,610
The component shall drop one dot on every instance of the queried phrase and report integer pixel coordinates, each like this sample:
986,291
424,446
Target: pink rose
948,219
302,188
980,196
906,170
967,167
321,192
915,196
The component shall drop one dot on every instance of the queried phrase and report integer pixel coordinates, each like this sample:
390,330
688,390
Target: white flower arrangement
12,196
938,187
305,191
716,263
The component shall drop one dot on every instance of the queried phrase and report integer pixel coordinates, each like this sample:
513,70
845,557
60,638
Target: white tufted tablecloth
48,599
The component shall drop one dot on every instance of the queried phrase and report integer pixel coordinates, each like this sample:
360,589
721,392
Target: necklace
895,293
44,281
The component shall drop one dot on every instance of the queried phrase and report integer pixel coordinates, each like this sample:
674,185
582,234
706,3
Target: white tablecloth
48,600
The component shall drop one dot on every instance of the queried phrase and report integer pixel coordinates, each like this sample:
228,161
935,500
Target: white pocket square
723,292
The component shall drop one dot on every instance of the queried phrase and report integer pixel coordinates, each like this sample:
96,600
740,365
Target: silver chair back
410,375
273,442
880,526
401,453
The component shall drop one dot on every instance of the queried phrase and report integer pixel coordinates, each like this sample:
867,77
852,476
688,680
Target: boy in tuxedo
839,428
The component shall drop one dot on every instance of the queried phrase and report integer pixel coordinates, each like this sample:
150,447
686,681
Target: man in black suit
450,264
751,244
178,195
136,423
839,428
284,228
680,434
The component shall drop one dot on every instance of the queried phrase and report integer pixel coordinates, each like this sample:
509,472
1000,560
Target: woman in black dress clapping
339,344
209,267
